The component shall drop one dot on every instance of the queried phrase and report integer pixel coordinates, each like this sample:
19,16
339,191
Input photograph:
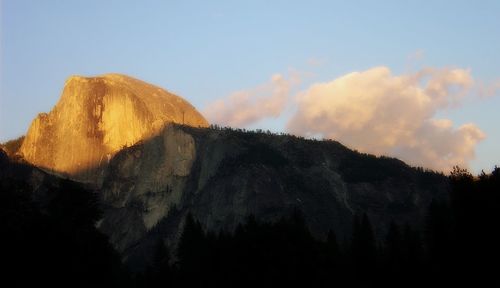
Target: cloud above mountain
247,107
377,112
372,111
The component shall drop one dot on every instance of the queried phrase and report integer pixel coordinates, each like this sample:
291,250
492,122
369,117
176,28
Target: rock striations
223,176
123,135
95,118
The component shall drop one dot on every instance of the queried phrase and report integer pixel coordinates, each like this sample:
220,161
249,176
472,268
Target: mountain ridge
150,169
222,176
234,174
97,116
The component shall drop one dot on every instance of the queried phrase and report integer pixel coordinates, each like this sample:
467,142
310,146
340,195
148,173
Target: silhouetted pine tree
393,256
364,251
192,252
161,271
440,242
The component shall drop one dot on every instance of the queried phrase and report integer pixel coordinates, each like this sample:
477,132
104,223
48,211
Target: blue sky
206,50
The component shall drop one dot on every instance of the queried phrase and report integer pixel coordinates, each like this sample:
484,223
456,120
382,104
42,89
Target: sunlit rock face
98,116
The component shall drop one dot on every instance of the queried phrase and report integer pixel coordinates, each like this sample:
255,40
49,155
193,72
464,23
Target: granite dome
98,116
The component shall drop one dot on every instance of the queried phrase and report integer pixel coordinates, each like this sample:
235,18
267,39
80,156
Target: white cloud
376,112
372,111
246,107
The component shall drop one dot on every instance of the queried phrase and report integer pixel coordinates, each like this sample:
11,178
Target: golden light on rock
98,116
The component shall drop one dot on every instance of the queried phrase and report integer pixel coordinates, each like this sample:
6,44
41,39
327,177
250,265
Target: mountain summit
98,116
124,137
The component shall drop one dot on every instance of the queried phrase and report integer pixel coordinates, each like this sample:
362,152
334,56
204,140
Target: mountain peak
106,76
96,117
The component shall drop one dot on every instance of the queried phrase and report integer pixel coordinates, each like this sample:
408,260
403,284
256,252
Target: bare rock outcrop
95,118
122,135
143,183
223,176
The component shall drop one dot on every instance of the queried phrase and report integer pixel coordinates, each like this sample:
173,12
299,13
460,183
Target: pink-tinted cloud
377,112
246,107
486,90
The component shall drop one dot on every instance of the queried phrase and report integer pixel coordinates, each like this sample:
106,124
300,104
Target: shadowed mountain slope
49,236
152,159
223,176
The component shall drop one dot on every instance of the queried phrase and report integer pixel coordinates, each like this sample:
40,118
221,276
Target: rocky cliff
96,117
151,158
223,176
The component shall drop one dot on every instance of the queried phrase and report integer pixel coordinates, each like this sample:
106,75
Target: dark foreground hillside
49,239
458,245
48,235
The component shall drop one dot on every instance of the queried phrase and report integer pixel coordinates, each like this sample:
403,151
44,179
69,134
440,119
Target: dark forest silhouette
49,236
458,245
54,241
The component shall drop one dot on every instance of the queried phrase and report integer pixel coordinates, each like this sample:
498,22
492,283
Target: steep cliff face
222,177
122,136
95,118
143,183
